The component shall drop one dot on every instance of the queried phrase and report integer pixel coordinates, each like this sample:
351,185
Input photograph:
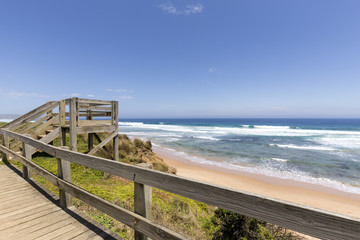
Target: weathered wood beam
93,122
37,112
95,114
142,203
102,143
303,219
62,122
64,172
91,107
27,154
94,101
5,143
115,122
73,124
95,129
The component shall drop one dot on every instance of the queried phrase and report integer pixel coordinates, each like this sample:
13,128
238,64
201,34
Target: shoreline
307,194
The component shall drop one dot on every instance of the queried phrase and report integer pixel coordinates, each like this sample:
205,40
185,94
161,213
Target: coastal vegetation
194,219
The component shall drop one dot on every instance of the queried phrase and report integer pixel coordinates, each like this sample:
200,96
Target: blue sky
281,58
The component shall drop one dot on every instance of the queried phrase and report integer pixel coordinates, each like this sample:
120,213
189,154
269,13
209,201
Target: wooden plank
33,114
94,108
21,197
13,208
107,152
94,122
73,125
127,217
10,198
94,113
13,191
29,229
299,218
20,200
27,215
105,141
58,231
95,129
94,101
24,209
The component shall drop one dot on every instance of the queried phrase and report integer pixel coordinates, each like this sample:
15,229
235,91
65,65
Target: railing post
62,133
26,151
142,202
115,121
5,143
73,123
90,135
64,172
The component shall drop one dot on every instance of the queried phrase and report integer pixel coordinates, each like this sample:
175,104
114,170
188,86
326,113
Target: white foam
348,141
319,148
207,138
279,159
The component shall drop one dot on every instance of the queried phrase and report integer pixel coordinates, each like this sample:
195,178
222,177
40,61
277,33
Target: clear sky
240,58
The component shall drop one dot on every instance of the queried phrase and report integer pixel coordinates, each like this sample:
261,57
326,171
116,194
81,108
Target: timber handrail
32,115
307,220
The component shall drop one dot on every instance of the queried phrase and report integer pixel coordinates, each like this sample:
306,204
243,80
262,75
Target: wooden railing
310,221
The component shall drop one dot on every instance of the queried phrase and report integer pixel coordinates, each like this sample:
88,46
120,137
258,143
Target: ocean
319,151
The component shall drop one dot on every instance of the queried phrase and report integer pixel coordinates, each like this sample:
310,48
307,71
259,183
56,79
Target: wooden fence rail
307,220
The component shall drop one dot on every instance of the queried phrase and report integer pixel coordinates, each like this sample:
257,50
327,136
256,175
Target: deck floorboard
26,213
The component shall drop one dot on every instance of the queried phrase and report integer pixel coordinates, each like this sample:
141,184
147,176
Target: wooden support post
64,172
90,135
115,120
27,152
50,112
142,202
62,114
73,123
5,143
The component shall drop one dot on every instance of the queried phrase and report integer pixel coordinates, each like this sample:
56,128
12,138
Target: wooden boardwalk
27,212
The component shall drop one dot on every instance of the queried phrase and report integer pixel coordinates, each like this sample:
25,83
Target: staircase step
41,136
49,131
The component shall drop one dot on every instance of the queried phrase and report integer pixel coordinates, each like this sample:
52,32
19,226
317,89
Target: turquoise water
319,151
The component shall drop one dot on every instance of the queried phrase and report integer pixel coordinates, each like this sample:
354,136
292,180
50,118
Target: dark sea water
319,151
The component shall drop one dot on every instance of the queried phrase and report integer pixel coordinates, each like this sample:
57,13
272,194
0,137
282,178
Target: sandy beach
292,191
